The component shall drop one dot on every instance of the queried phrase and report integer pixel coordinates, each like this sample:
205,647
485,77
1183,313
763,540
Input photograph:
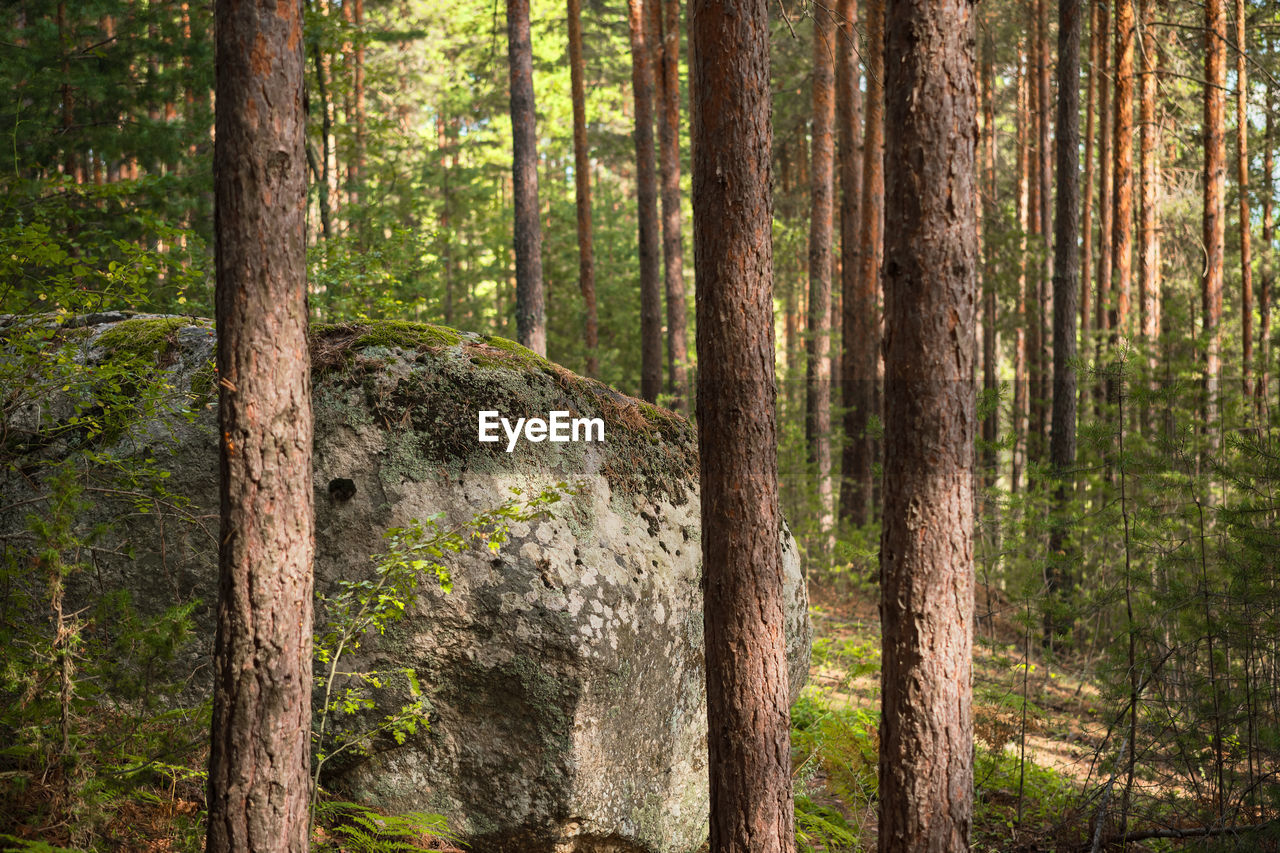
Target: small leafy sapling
355,608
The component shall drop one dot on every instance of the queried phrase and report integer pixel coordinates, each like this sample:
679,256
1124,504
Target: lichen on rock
564,672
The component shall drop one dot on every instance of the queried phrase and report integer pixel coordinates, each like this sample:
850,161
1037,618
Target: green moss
407,335
501,352
142,338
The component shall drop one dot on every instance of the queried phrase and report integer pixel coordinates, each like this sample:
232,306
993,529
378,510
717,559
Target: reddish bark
582,190
531,315
749,753
848,117
926,548
259,777
647,205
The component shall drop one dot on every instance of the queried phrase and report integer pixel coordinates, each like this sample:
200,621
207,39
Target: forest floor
1049,715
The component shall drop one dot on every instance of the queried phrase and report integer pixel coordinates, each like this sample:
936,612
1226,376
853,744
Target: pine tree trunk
531,316
749,753
1214,211
1023,202
582,189
1267,279
1242,187
821,193
668,14
990,424
848,117
1102,301
866,310
1086,199
1122,169
926,733
259,777
1066,284
647,205
1040,400
1149,181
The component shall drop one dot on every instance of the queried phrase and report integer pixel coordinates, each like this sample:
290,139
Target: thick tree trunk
1122,174
848,118
749,753
259,777
667,13
582,188
531,315
1066,284
1214,211
1242,190
866,310
926,548
821,193
647,205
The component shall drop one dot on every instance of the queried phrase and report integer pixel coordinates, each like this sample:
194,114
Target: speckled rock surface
565,671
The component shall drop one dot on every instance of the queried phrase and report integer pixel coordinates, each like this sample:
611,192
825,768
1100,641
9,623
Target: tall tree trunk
1033,286
259,777
1214,212
926,548
531,314
1086,198
667,14
1122,174
647,205
1066,284
1023,202
355,166
1102,300
1149,181
990,209
821,193
582,190
326,141
1044,280
749,754
1242,185
848,117
866,353
1267,280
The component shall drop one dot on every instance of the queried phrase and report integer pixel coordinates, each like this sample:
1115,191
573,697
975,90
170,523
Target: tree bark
990,274
865,356
1018,455
748,714
1214,211
1122,174
1040,401
647,205
531,314
1242,185
1267,278
926,548
582,189
1086,200
1102,301
849,152
667,13
1149,180
1066,284
259,761
821,193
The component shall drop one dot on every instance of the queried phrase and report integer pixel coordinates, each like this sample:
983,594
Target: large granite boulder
563,672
